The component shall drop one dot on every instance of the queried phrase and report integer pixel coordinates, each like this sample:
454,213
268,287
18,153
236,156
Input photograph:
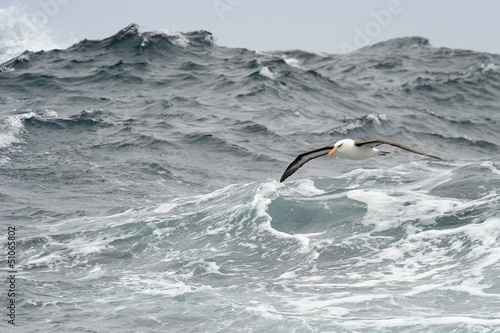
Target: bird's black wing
375,143
303,159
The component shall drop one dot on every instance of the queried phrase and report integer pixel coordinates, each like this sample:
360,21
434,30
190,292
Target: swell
231,115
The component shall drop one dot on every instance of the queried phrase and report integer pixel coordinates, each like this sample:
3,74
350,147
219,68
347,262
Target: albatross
350,149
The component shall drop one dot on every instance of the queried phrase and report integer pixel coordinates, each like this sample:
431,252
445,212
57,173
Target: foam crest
265,71
262,199
491,67
12,127
292,62
305,188
492,166
263,310
231,217
176,38
461,259
388,209
241,215
157,284
354,124
429,323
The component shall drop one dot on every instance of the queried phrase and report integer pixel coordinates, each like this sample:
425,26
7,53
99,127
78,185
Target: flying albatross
349,149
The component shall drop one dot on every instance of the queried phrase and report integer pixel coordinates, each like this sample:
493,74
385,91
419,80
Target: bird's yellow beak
333,151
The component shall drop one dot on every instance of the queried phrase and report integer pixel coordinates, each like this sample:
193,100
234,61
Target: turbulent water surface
141,174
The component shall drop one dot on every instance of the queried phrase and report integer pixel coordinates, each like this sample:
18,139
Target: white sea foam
288,275
490,165
177,38
239,214
165,208
260,204
144,42
391,208
489,68
263,310
306,188
374,118
7,69
12,127
155,284
20,31
180,39
84,246
265,71
95,272
42,259
9,131
408,323
431,260
292,62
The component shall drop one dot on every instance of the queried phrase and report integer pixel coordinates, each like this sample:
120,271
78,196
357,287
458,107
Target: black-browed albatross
349,149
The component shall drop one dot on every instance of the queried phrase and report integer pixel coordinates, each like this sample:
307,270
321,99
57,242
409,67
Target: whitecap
176,38
165,208
7,70
12,127
490,165
155,284
261,201
489,68
288,275
263,310
10,130
306,188
374,118
292,62
265,71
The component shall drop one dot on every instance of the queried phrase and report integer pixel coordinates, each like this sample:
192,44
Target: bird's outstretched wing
303,159
375,143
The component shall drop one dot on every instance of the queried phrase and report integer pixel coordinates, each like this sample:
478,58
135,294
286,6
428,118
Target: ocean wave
252,239
11,128
50,119
142,170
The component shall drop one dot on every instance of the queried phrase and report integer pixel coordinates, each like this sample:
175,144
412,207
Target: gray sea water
141,174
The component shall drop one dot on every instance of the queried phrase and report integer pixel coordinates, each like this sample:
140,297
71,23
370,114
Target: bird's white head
341,145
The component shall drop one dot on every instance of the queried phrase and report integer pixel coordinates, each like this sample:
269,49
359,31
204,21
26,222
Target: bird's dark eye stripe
340,145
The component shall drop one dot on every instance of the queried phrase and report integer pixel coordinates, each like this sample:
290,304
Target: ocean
140,188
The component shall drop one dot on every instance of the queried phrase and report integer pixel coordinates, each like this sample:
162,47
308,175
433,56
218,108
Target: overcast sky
331,26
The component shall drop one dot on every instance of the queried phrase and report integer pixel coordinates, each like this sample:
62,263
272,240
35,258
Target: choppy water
141,172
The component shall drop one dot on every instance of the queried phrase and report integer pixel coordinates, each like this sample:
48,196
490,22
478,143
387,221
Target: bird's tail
383,153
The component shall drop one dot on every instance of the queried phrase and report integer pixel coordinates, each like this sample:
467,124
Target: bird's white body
347,149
